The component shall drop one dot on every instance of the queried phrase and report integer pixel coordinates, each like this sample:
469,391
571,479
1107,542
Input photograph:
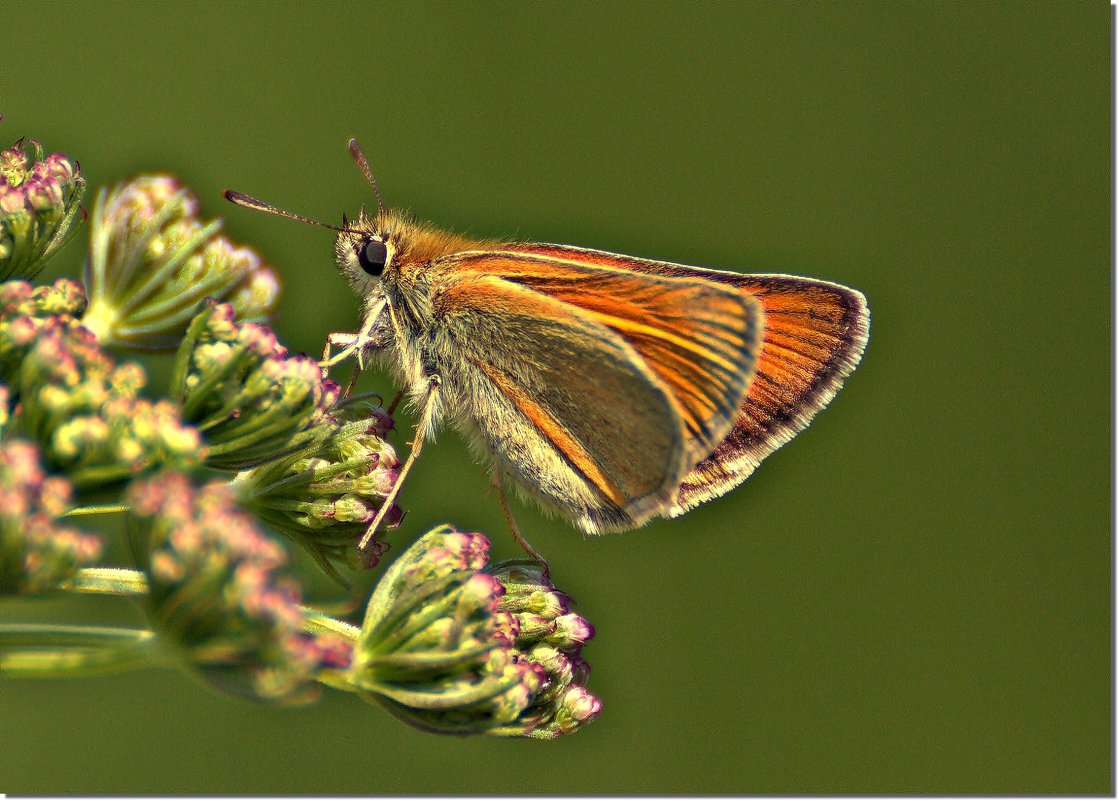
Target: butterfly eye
372,257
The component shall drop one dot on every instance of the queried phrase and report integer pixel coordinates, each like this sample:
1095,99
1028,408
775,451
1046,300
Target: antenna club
363,164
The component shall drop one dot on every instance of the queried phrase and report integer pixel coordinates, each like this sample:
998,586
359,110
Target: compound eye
372,257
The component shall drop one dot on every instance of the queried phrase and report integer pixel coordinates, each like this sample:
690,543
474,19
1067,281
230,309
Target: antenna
363,163
249,202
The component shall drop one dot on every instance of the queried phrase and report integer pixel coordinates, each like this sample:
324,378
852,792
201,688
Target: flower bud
574,710
435,649
216,595
38,203
325,497
551,637
25,311
36,552
85,412
152,261
253,401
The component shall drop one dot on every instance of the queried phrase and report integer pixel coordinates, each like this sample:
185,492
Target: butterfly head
378,247
365,250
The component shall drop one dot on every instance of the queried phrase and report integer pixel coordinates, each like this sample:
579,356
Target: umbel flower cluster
248,451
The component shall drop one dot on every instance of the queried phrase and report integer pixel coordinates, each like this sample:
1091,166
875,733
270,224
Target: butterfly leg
351,344
352,382
422,428
337,339
533,554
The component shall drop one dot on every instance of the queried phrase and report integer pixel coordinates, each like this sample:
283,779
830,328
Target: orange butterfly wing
562,403
699,338
814,336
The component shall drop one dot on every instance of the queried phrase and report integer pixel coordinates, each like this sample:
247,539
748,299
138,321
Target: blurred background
913,596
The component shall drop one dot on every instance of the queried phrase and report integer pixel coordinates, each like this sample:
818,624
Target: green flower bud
84,411
36,552
152,261
435,650
252,401
217,598
550,636
38,203
324,497
26,310
572,711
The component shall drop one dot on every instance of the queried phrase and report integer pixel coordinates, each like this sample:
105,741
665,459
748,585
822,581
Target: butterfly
609,388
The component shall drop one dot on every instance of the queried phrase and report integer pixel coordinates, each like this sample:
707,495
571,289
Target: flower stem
29,650
94,509
109,581
315,622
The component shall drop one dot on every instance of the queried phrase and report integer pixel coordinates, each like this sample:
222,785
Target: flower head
36,552
85,411
252,400
324,497
217,597
39,198
26,310
437,650
551,636
152,261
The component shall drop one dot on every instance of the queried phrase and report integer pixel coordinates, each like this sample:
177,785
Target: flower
36,552
552,636
434,648
216,595
324,497
38,202
85,412
252,401
152,260
25,311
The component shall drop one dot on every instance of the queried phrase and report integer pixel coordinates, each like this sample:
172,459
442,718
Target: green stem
94,509
101,474
48,651
139,292
186,348
109,581
315,622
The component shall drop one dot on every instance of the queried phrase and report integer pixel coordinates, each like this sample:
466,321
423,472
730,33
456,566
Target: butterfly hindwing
561,401
699,338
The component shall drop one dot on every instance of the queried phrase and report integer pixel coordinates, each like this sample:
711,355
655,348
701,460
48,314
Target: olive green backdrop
914,595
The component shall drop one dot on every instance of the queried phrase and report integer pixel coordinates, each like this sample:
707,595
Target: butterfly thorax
403,296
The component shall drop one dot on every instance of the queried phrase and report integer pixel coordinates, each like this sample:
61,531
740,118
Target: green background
914,596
